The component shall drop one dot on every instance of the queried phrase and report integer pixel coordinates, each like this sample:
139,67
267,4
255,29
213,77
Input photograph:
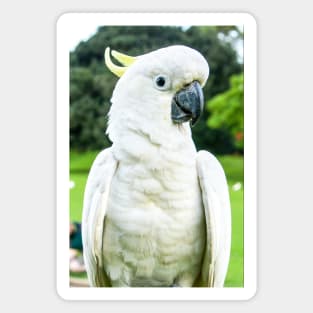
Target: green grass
233,165
77,195
81,162
235,273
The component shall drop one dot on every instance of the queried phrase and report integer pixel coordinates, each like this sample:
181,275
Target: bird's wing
215,197
95,202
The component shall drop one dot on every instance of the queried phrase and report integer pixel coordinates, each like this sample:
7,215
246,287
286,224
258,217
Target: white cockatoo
156,212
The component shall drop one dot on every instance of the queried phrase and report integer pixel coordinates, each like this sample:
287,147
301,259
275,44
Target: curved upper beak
187,104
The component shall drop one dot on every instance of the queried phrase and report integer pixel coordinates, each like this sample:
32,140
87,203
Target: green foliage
91,84
88,108
227,109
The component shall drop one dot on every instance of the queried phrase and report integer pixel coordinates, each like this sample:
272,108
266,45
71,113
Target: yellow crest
124,59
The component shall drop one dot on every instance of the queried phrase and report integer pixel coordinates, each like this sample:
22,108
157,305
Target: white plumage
156,212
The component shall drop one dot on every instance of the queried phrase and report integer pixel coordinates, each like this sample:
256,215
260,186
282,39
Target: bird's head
163,86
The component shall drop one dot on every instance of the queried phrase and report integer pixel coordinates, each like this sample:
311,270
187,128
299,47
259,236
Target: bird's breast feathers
154,230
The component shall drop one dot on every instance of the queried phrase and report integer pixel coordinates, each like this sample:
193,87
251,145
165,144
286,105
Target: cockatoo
156,212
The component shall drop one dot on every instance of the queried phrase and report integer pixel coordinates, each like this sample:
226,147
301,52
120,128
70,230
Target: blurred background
220,129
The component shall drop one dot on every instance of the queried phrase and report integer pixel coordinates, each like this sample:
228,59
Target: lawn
233,165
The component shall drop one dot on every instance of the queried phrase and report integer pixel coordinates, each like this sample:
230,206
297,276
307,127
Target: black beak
187,104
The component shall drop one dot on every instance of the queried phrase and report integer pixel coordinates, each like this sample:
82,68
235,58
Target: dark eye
162,82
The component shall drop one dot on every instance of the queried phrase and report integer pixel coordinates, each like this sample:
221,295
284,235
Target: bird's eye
162,82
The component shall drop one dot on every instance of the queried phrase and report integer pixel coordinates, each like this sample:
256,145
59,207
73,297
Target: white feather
218,218
94,211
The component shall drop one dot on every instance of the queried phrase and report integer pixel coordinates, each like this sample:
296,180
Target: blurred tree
227,110
92,84
223,63
88,108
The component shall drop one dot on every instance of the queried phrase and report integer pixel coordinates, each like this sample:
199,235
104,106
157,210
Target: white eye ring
162,82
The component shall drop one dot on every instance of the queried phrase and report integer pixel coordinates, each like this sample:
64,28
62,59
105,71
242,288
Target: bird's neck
155,147
146,133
